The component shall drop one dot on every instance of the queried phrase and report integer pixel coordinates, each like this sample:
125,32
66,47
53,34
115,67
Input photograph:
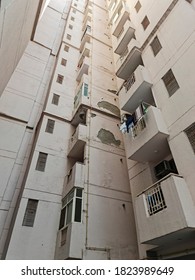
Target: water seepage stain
107,137
110,107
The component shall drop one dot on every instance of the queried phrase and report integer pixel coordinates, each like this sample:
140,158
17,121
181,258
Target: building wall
21,28
173,23
105,182
99,158
22,104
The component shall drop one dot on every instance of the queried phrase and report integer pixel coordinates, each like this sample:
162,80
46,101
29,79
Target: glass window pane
79,193
78,207
62,218
69,213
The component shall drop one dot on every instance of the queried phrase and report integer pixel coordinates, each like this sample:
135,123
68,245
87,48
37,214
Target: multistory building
97,129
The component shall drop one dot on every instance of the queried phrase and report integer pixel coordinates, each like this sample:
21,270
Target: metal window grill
155,200
130,82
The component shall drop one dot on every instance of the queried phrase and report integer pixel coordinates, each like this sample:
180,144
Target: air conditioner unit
162,169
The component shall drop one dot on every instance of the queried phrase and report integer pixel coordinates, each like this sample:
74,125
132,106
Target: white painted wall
17,18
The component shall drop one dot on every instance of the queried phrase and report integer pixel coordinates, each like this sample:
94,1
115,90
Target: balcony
83,67
165,212
82,93
114,7
85,37
120,43
88,11
135,90
121,17
86,22
129,61
71,246
147,140
77,142
85,52
75,178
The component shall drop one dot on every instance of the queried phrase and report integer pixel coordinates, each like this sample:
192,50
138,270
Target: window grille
145,22
138,6
130,82
50,126
55,99
63,62
66,48
41,162
30,212
190,132
156,46
60,79
170,82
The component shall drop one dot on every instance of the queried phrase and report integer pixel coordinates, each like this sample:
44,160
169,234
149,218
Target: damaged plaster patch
110,107
107,137
112,91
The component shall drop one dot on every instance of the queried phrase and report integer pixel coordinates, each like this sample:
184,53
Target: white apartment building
97,129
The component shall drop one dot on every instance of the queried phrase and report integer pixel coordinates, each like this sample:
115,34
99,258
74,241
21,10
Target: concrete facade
73,186
141,68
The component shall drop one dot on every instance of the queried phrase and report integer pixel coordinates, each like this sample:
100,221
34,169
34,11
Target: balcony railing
140,125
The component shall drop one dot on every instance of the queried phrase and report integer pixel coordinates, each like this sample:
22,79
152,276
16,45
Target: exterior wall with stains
83,189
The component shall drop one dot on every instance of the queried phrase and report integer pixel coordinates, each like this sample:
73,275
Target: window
72,18
30,212
145,23
63,62
155,200
138,6
68,36
63,236
190,132
41,162
60,79
170,82
72,208
55,99
189,1
66,48
156,46
50,126
70,26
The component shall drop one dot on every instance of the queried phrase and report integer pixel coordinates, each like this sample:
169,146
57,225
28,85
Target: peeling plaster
112,91
110,107
107,137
